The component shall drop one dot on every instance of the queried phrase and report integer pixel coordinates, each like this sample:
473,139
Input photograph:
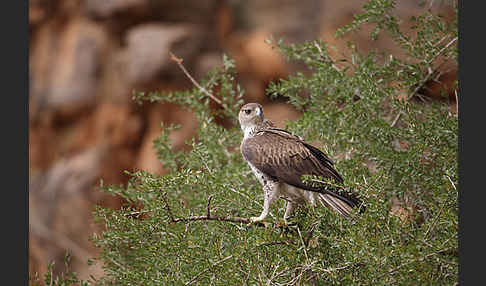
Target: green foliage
68,278
353,112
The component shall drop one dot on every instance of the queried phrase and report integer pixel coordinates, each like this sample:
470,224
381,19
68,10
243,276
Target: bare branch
303,244
215,218
202,89
208,216
452,183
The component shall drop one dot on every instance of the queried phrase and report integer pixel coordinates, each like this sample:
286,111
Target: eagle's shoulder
264,141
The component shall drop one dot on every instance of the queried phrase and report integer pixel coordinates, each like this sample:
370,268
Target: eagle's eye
247,111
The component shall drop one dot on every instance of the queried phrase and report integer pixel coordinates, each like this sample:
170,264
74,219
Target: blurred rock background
88,56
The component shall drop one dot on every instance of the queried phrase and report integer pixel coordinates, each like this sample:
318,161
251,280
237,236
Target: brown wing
287,158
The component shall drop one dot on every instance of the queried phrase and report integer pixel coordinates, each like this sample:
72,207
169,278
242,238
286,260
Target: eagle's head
251,117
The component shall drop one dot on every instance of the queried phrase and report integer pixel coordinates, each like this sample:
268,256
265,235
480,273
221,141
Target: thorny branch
208,216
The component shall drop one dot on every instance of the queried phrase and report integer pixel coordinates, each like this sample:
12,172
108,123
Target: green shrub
352,110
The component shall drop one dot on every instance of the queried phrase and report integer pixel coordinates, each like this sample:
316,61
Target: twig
457,102
208,216
396,119
52,278
310,233
329,270
204,163
216,218
167,208
446,46
434,222
452,183
273,243
207,269
274,271
324,58
303,244
202,89
209,206
427,77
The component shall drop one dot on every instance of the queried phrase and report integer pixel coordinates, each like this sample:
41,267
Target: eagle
280,159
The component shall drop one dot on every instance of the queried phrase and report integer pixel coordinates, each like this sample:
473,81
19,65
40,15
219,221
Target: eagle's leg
289,210
270,189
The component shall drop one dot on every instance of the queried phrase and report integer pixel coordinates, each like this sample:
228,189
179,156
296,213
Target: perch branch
208,216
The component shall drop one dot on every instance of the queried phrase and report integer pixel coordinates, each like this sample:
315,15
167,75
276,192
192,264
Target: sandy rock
293,20
66,67
146,56
59,213
168,113
253,55
42,53
36,14
68,176
108,8
42,149
206,63
254,89
188,11
78,65
116,124
279,113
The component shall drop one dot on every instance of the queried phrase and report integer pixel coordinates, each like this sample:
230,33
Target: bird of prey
279,159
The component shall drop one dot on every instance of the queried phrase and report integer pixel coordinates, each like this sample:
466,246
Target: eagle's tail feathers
335,204
338,203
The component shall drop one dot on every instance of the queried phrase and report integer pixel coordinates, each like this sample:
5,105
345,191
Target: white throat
248,130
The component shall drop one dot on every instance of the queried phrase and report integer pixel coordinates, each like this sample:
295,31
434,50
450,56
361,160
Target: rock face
109,8
146,56
66,64
88,56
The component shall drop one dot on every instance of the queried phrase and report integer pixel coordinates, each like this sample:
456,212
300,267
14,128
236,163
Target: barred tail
340,203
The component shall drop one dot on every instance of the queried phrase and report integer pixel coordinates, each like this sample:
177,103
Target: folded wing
286,157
